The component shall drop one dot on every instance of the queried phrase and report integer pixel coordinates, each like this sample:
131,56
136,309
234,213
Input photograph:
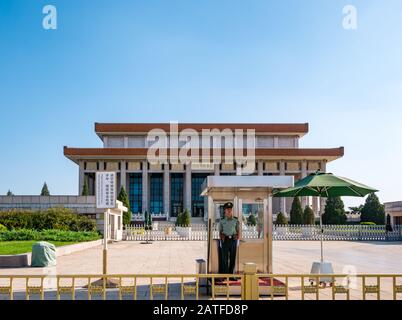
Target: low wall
24,259
15,260
65,250
79,204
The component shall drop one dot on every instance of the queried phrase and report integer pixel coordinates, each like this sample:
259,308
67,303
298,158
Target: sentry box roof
245,183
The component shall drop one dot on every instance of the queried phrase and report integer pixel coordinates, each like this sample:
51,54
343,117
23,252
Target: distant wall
79,204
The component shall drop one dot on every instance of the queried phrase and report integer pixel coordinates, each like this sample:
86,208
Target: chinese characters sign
105,190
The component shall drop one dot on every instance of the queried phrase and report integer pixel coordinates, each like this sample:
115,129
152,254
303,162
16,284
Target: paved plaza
178,257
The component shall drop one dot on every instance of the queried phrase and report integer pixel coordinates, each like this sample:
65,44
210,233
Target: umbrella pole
321,236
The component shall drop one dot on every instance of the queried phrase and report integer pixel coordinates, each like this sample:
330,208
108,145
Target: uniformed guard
229,237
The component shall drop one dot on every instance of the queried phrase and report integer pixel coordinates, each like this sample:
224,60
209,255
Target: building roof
328,154
298,129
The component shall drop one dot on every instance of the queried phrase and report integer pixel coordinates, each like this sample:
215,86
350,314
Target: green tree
373,210
281,219
296,212
85,190
179,219
9,193
356,210
186,218
251,220
334,212
147,220
45,190
123,197
308,216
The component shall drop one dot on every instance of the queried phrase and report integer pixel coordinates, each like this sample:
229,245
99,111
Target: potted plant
308,222
281,223
183,223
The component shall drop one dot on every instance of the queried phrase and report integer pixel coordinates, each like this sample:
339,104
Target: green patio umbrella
325,185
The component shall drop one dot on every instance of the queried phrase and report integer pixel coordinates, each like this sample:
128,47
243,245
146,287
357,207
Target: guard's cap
228,205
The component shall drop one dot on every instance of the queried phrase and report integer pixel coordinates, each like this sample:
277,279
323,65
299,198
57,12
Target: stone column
123,175
145,186
216,169
315,206
166,190
282,200
322,205
81,176
260,168
304,200
187,193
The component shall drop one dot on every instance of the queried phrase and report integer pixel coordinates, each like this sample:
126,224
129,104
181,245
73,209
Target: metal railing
117,286
337,232
165,231
333,286
280,232
202,286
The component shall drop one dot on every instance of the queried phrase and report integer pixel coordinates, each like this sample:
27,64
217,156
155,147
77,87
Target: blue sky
199,61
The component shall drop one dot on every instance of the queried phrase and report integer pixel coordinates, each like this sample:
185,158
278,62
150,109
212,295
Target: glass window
253,220
197,201
135,192
156,203
176,193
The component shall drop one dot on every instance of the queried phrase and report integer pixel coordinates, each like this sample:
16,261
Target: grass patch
17,247
48,235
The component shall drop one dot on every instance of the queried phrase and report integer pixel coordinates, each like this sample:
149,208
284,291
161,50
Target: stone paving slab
178,257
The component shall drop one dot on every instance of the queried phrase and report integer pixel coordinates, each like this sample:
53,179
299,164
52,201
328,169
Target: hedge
48,235
54,218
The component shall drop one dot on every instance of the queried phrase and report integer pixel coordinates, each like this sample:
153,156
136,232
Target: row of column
187,184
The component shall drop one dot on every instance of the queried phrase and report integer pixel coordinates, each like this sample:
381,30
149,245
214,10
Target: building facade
394,210
169,186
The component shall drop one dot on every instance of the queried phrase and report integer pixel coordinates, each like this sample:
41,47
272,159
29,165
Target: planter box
184,232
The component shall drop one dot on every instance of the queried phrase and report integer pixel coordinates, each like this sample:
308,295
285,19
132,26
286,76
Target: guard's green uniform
229,230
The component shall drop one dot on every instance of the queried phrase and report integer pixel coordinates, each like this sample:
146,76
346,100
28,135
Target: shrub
334,212
296,212
308,216
2,228
367,223
185,219
54,218
251,220
123,197
179,219
48,235
45,190
85,189
373,210
147,220
281,219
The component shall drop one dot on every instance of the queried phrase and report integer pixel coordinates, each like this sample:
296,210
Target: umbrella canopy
326,185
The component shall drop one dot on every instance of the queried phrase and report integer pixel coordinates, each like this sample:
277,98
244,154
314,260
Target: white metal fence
166,231
198,232
337,232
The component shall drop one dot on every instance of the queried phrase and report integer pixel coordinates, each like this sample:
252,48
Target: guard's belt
229,237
